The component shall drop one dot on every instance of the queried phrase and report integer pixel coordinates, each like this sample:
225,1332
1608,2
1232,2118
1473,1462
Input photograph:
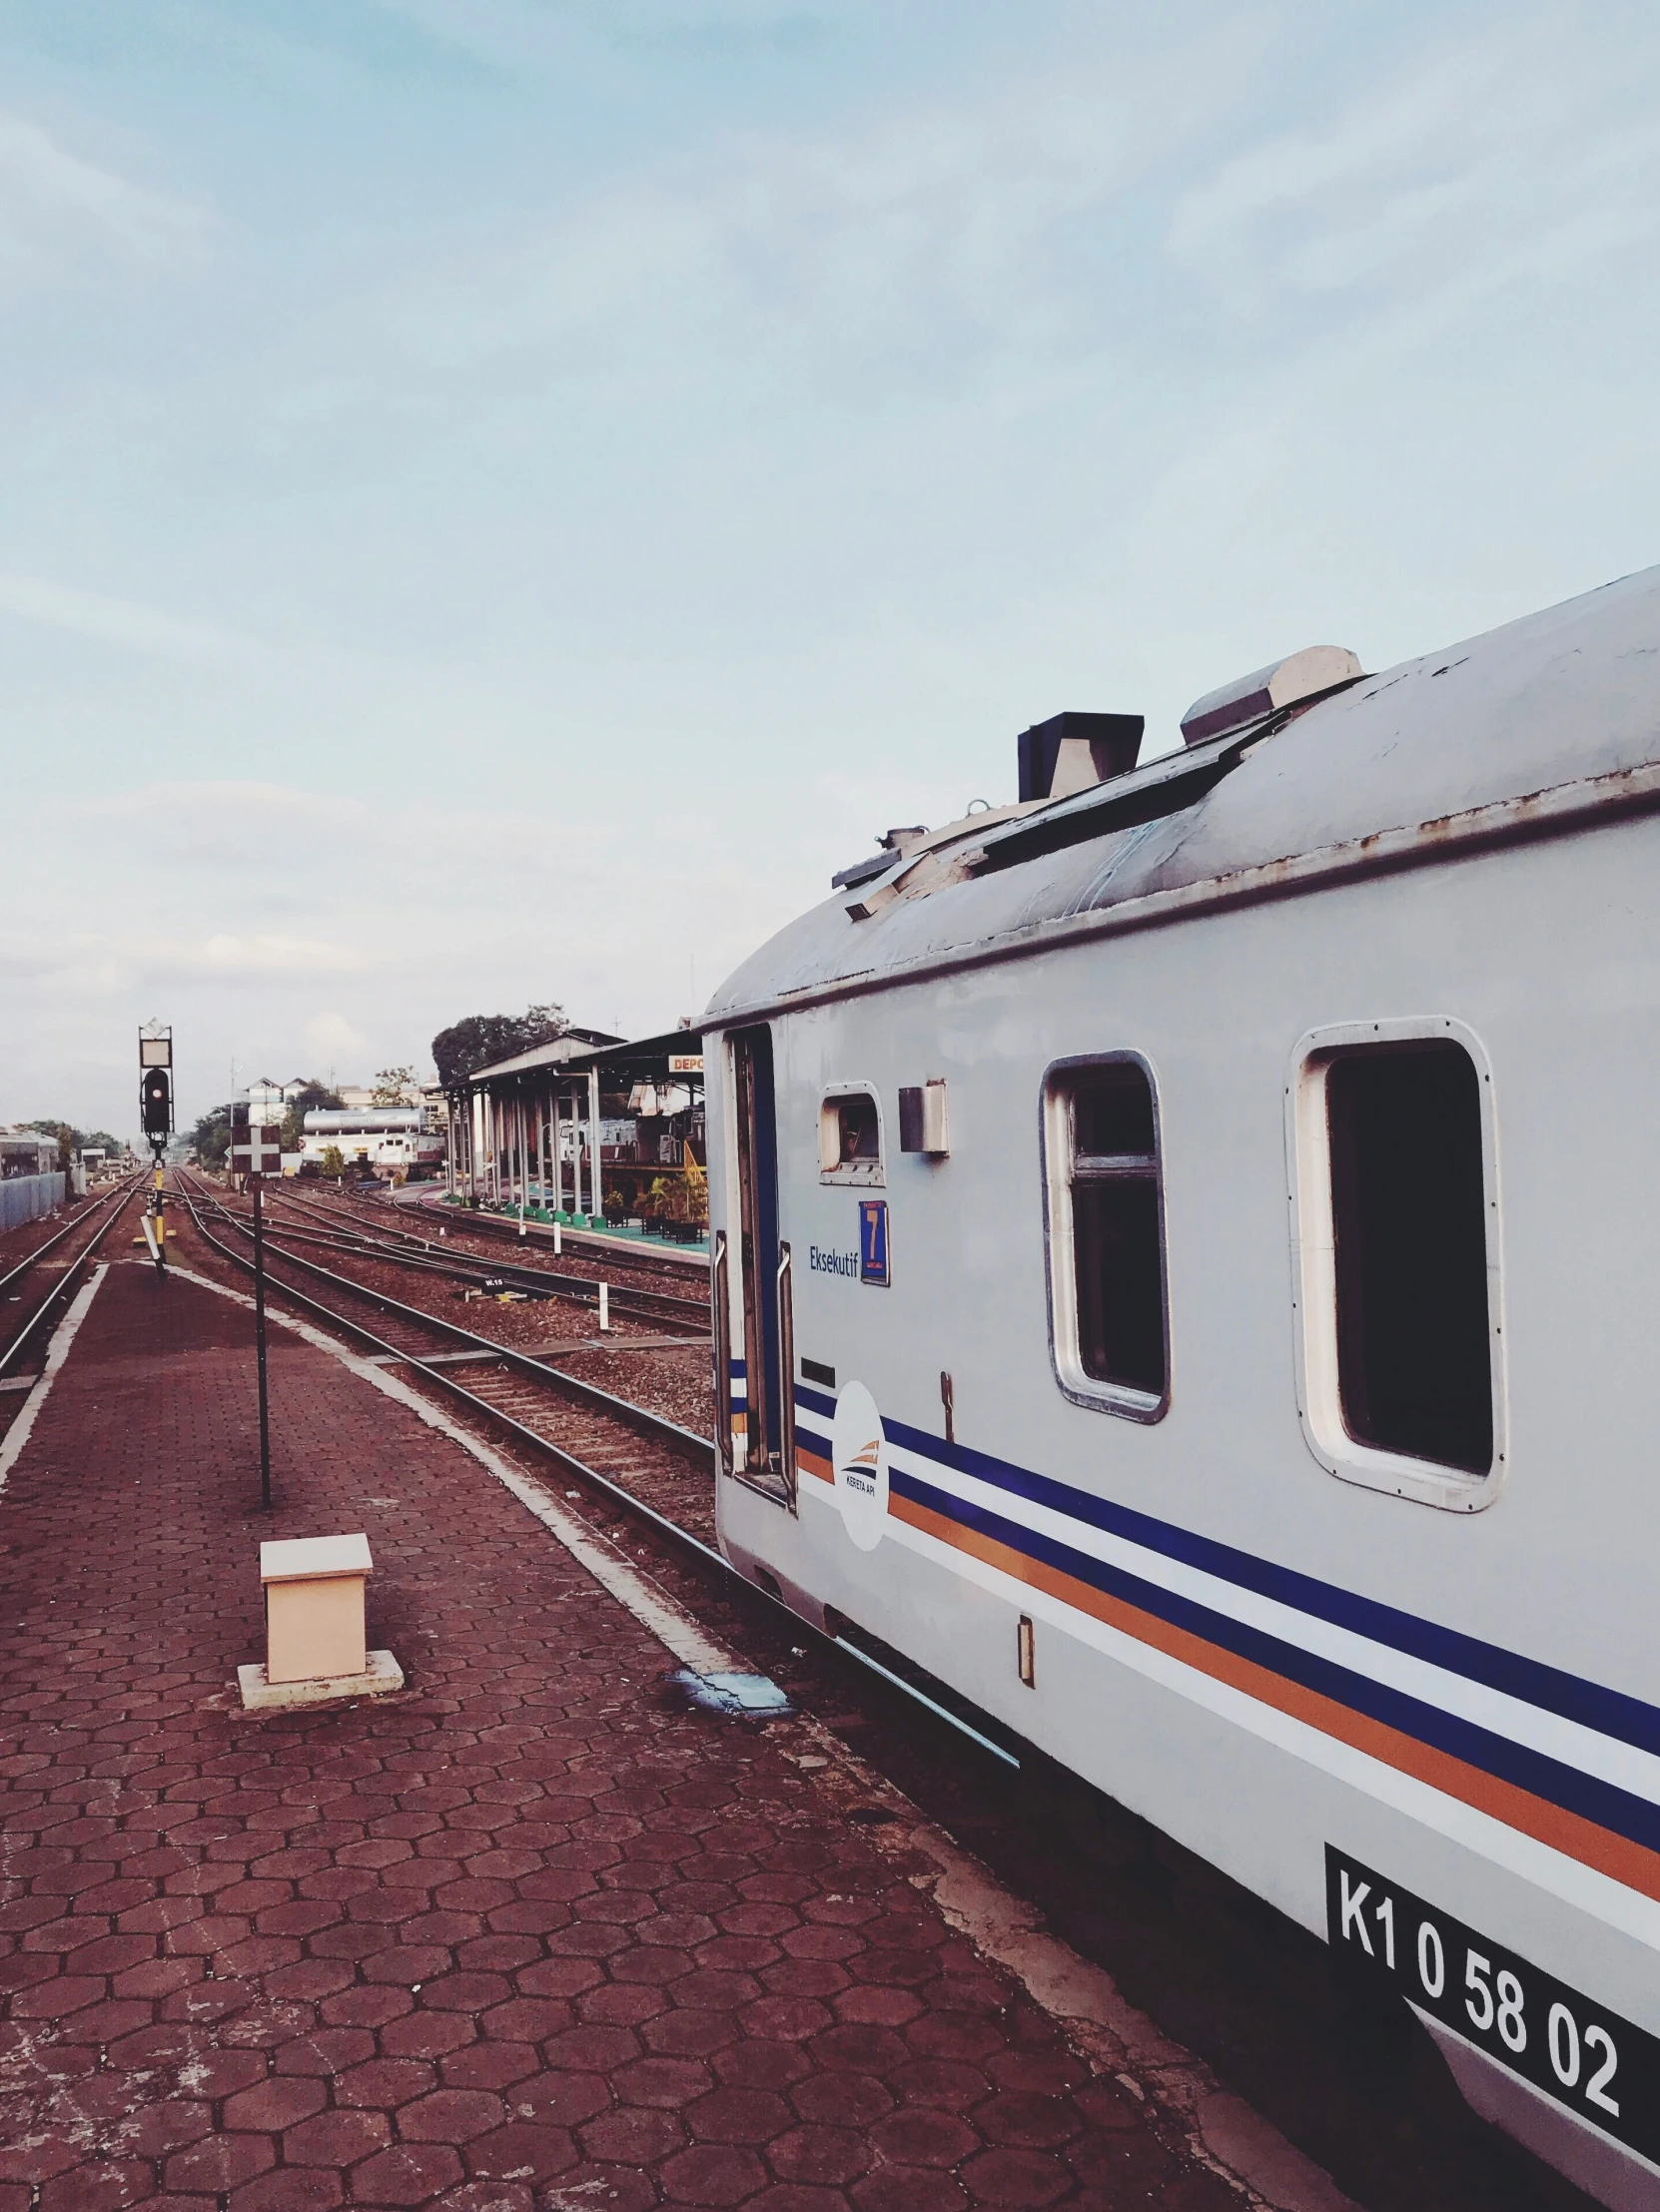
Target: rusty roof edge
1553,811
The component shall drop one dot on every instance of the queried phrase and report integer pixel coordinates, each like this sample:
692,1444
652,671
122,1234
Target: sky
502,497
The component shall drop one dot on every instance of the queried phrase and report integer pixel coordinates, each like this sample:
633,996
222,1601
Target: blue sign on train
873,1240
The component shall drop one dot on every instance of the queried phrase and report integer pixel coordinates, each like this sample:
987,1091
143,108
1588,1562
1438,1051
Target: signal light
156,1101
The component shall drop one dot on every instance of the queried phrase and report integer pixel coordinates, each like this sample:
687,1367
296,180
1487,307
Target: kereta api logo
859,1455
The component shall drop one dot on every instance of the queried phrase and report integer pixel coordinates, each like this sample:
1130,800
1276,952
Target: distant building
360,1096
27,1153
268,1100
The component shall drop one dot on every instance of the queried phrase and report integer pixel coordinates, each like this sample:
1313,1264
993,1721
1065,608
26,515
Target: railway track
636,1457
56,1277
654,1468
673,1263
540,1278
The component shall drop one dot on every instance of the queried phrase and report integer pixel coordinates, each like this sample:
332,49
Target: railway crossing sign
257,1146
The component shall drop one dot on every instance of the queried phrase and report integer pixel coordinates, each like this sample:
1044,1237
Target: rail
402,1247
118,1202
523,1363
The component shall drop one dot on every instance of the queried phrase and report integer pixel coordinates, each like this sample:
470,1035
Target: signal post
156,1115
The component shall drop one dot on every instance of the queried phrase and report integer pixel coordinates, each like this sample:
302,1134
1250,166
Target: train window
1105,1234
1397,1238
1414,1371
850,1137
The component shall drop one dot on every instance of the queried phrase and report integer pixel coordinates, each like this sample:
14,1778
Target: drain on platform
753,1696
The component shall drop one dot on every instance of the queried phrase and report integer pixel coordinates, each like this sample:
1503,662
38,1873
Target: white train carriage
1185,1267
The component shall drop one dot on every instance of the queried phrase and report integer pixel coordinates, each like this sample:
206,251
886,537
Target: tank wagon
390,1139
1184,1273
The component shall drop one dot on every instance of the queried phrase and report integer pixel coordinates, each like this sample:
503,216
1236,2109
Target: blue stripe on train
1611,1712
1569,1786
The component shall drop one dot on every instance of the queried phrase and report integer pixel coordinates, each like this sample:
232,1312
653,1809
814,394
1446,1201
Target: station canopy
620,1063
674,1057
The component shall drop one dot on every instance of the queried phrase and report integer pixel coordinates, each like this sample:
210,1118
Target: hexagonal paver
530,1934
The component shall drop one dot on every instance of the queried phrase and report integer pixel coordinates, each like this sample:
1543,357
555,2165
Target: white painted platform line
1219,2129
61,1337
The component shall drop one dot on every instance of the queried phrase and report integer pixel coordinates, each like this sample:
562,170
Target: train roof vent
1070,752
1309,674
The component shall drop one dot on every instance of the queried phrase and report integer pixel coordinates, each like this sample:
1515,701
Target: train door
765,1429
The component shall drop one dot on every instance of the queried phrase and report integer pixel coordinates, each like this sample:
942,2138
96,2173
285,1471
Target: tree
69,1139
311,1093
483,1039
392,1086
211,1137
332,1162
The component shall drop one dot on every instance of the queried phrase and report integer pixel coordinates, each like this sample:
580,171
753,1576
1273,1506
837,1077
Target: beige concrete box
314,1607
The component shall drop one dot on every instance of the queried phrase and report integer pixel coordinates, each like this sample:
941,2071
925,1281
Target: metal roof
642,1055
1530,727
553,1054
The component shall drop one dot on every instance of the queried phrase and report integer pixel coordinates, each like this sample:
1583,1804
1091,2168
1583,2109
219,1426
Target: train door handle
720,1341
786,1376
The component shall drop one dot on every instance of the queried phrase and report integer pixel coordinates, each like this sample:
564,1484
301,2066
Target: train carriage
1184,1259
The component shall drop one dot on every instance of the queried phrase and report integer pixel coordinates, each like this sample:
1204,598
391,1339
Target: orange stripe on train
1569,1833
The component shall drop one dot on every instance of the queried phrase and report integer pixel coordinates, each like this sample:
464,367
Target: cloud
333,1036
1481,159
57,209
927,242
115,621
89,962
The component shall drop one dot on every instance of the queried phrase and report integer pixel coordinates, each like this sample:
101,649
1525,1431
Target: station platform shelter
603,1133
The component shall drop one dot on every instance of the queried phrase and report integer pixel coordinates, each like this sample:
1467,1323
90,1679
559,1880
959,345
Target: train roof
1526,730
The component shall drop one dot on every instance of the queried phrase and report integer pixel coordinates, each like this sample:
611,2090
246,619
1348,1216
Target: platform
534,1933
694,1255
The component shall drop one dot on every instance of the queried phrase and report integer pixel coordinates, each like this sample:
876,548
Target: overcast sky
503,496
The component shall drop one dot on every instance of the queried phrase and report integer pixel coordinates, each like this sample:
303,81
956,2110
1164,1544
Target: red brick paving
530,1938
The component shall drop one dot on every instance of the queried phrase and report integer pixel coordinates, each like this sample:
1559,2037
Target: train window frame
1054,1136
858,1174
1315,1269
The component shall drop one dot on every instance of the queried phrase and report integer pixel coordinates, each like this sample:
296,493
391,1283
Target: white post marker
557,1246
604,1308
